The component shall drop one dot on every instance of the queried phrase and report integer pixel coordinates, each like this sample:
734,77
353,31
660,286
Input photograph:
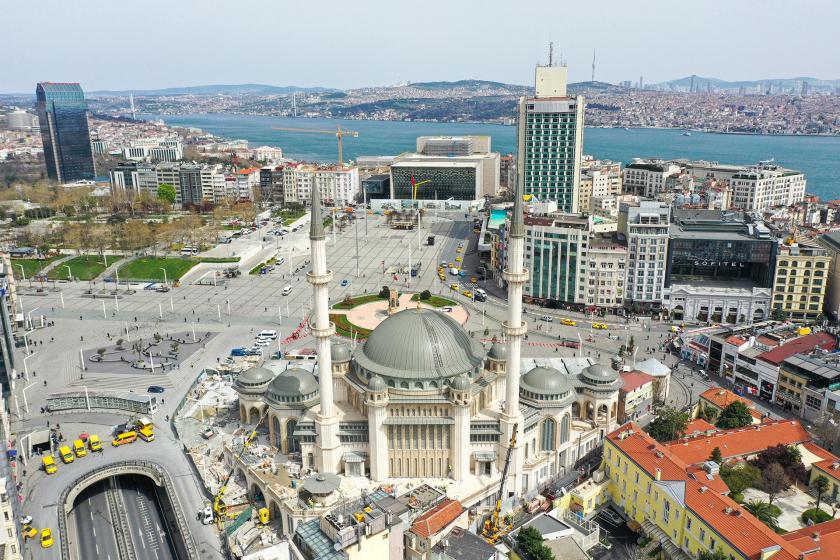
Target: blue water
817,157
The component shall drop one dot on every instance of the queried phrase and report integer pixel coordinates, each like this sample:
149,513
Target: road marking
91,515
97,548
94,531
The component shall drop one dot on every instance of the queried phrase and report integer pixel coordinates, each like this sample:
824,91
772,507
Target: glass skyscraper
62,111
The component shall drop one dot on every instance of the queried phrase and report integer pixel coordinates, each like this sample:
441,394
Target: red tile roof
735,340
818,542
803,344
635,379
431,522
721,398
698,425
739,442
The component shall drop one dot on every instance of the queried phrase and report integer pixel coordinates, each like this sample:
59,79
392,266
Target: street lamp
69,272
29,315
165,281
22,273
25,367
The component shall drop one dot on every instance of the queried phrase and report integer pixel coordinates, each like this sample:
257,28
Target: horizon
348,47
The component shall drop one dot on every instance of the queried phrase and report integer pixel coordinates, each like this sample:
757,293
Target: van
268,333
94,443
124,438
480,292
79,448
65,454
287,290
49,464
188,251
145,429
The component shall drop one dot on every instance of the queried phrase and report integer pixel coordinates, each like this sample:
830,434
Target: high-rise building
645,227
549,140
802,268
62,111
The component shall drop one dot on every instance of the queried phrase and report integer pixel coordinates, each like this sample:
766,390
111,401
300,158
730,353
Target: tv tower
131,100
593,66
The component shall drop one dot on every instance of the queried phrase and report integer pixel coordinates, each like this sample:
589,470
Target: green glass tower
62,111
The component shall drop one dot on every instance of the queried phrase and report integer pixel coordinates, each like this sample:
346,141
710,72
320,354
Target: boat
686,133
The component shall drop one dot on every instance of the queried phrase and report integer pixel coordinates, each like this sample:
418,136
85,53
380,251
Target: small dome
599,374
253,380
461,383
292,385
376,383
545,381
498,352
339,352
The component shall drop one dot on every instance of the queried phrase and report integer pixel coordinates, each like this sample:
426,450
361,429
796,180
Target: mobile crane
494,527
219,506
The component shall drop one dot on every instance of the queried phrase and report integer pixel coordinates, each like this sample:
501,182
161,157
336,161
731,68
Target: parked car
262,342
155,389
547,318
239,352
268,333
345,282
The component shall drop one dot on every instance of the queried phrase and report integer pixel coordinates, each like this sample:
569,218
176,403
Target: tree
741,477
166,192
764,512
788,457
778,315
735,415
821,485
716,456
774,481
668,424
707,413
716,554
826,430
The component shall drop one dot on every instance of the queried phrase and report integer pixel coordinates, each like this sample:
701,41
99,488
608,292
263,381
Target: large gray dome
599,374
339,352
417,345
544,380
295,385
253,380
498,352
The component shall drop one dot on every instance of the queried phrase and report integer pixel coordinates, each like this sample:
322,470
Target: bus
146,429
124,438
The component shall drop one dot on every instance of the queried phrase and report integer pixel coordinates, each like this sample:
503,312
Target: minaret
514,329
328,453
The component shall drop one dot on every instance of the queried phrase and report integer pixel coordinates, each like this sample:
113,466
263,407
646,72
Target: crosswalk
122,382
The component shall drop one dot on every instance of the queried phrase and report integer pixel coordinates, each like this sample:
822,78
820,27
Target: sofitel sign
719,264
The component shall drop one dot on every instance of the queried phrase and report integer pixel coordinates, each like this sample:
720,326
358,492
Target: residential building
10,545
599,180
268,154
338,186
720,268
556,256
635,398
462,544
802,269
648,178
807,382
715,399
549,140
507,172
247,181
645,226
831,301
430,528
607,273
7,326
65,134
170,174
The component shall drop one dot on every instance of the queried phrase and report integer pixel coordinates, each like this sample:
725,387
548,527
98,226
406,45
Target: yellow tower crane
339,133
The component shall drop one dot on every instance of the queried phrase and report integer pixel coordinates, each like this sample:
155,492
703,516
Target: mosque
422,399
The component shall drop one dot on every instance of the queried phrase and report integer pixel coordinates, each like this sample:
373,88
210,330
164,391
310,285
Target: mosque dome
598,374
253,380
419,349
460,383
339,352
376,383
498,352
295,385
544,381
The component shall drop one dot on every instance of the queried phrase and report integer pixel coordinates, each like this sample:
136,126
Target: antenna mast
593,65
131,99
551,53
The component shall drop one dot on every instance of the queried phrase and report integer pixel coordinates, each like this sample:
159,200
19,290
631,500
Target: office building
802,274
21,120
190,185
808,382
377,186
549,140
648,178
720,268
62,112
154,149
271,185
644,226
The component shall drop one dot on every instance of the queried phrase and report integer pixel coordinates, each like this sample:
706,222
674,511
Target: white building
9,543
607,273
598,180
338,186
154,149
645,227
268,154
648,178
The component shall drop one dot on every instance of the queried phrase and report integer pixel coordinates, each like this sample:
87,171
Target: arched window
549,428
565,427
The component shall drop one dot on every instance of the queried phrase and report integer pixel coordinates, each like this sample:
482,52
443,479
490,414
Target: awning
484,456
354,457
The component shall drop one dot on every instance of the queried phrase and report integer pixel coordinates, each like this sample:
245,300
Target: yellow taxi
451,265
454,287
442,276
29,532
473,279
568,322
458,259
600,326
49,464
66,454
46,538
467,293
459,250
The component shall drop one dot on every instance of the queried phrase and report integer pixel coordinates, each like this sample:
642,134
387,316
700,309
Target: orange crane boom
339,133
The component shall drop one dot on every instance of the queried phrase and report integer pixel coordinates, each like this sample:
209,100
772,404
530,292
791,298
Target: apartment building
644,225
338,186
648,178
802,274
809,383
606,273
598,180
831,302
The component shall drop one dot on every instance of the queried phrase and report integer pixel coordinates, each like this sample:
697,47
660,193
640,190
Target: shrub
384,292
425,294
813,516
741,477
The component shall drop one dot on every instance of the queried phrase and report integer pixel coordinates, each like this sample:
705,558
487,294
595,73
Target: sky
107,44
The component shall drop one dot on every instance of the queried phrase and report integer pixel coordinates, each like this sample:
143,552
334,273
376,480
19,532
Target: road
149,538
92,519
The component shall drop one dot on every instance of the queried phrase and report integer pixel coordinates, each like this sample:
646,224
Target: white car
207,515
262,342
269,333
287,290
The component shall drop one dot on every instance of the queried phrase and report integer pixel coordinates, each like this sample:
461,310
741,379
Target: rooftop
437,518
804,344
635,379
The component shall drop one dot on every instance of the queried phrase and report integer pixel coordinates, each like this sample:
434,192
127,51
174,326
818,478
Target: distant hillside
214,89
702,81
467,84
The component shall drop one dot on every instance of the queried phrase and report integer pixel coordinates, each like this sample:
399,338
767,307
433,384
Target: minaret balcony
319,279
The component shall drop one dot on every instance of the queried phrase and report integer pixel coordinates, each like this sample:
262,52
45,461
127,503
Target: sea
817,156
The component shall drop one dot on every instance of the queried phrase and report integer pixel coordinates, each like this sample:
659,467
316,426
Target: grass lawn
149,268
434,301
343,327
83,267
219,259
356,301
256,269
289,215
31,267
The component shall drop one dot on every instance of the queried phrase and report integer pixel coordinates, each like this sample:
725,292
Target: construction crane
494,529
339,133
219,506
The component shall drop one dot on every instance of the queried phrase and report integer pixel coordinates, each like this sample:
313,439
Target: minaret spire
514,329
328,448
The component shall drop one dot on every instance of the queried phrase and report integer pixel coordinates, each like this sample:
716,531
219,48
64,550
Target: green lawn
219,259
434,301
84,267
256,269
356,301
31,267
343,327
149,268
289,215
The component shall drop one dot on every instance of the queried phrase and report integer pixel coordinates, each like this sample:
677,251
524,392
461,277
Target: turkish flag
413,182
